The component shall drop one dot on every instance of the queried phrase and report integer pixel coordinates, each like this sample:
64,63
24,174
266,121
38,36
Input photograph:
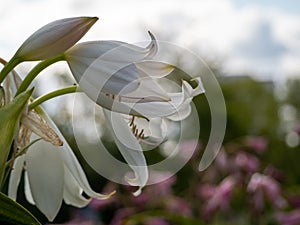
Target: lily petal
130,149
15,177
73,192
107,65
71,162
176,108
154,69
28,193
46,179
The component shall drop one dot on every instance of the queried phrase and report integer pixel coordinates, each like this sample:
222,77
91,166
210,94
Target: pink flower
179,206
259,144
246,162
222,196
261,185
288,218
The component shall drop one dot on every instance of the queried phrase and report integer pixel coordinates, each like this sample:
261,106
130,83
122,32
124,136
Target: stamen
135,131
131,121
134,128
141,133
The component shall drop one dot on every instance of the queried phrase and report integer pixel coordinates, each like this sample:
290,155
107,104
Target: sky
258,37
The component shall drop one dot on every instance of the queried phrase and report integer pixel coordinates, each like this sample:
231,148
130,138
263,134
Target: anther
141,133
133,128
132,121
136,132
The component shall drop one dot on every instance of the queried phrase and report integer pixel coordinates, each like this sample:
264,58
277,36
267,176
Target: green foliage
9,121
14,213
251,107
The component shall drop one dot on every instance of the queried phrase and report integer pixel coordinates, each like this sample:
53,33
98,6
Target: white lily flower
52,174
123,78
54,38
105,69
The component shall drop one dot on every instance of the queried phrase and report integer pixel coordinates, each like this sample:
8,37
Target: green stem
21,152
35,72
9,67
53,94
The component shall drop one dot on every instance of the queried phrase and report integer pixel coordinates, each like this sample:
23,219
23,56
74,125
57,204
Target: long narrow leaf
9,120
14,213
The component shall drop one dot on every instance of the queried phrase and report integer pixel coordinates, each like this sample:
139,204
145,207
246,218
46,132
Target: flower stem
53,94
35,72
10,162
8,67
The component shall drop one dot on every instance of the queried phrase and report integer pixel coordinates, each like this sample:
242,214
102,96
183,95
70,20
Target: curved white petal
27,190
179,106
71,162
107,77
15,176
154,68
46,177
129,148
182,113
147,91
108,65
73,192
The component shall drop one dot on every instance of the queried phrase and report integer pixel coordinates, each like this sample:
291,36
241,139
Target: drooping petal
28,193
46,176
15,177
129,148
73,192
54,38
70,161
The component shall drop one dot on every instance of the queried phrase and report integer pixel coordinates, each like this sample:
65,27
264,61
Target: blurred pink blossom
288,218
206,191
221,161
222,196
156,221
179,206
259,144
297,129
261,185
247,162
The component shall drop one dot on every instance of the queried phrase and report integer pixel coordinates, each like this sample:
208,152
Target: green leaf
9,121
14,213
2,97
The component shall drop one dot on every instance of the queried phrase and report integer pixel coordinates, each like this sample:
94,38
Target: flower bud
54,38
